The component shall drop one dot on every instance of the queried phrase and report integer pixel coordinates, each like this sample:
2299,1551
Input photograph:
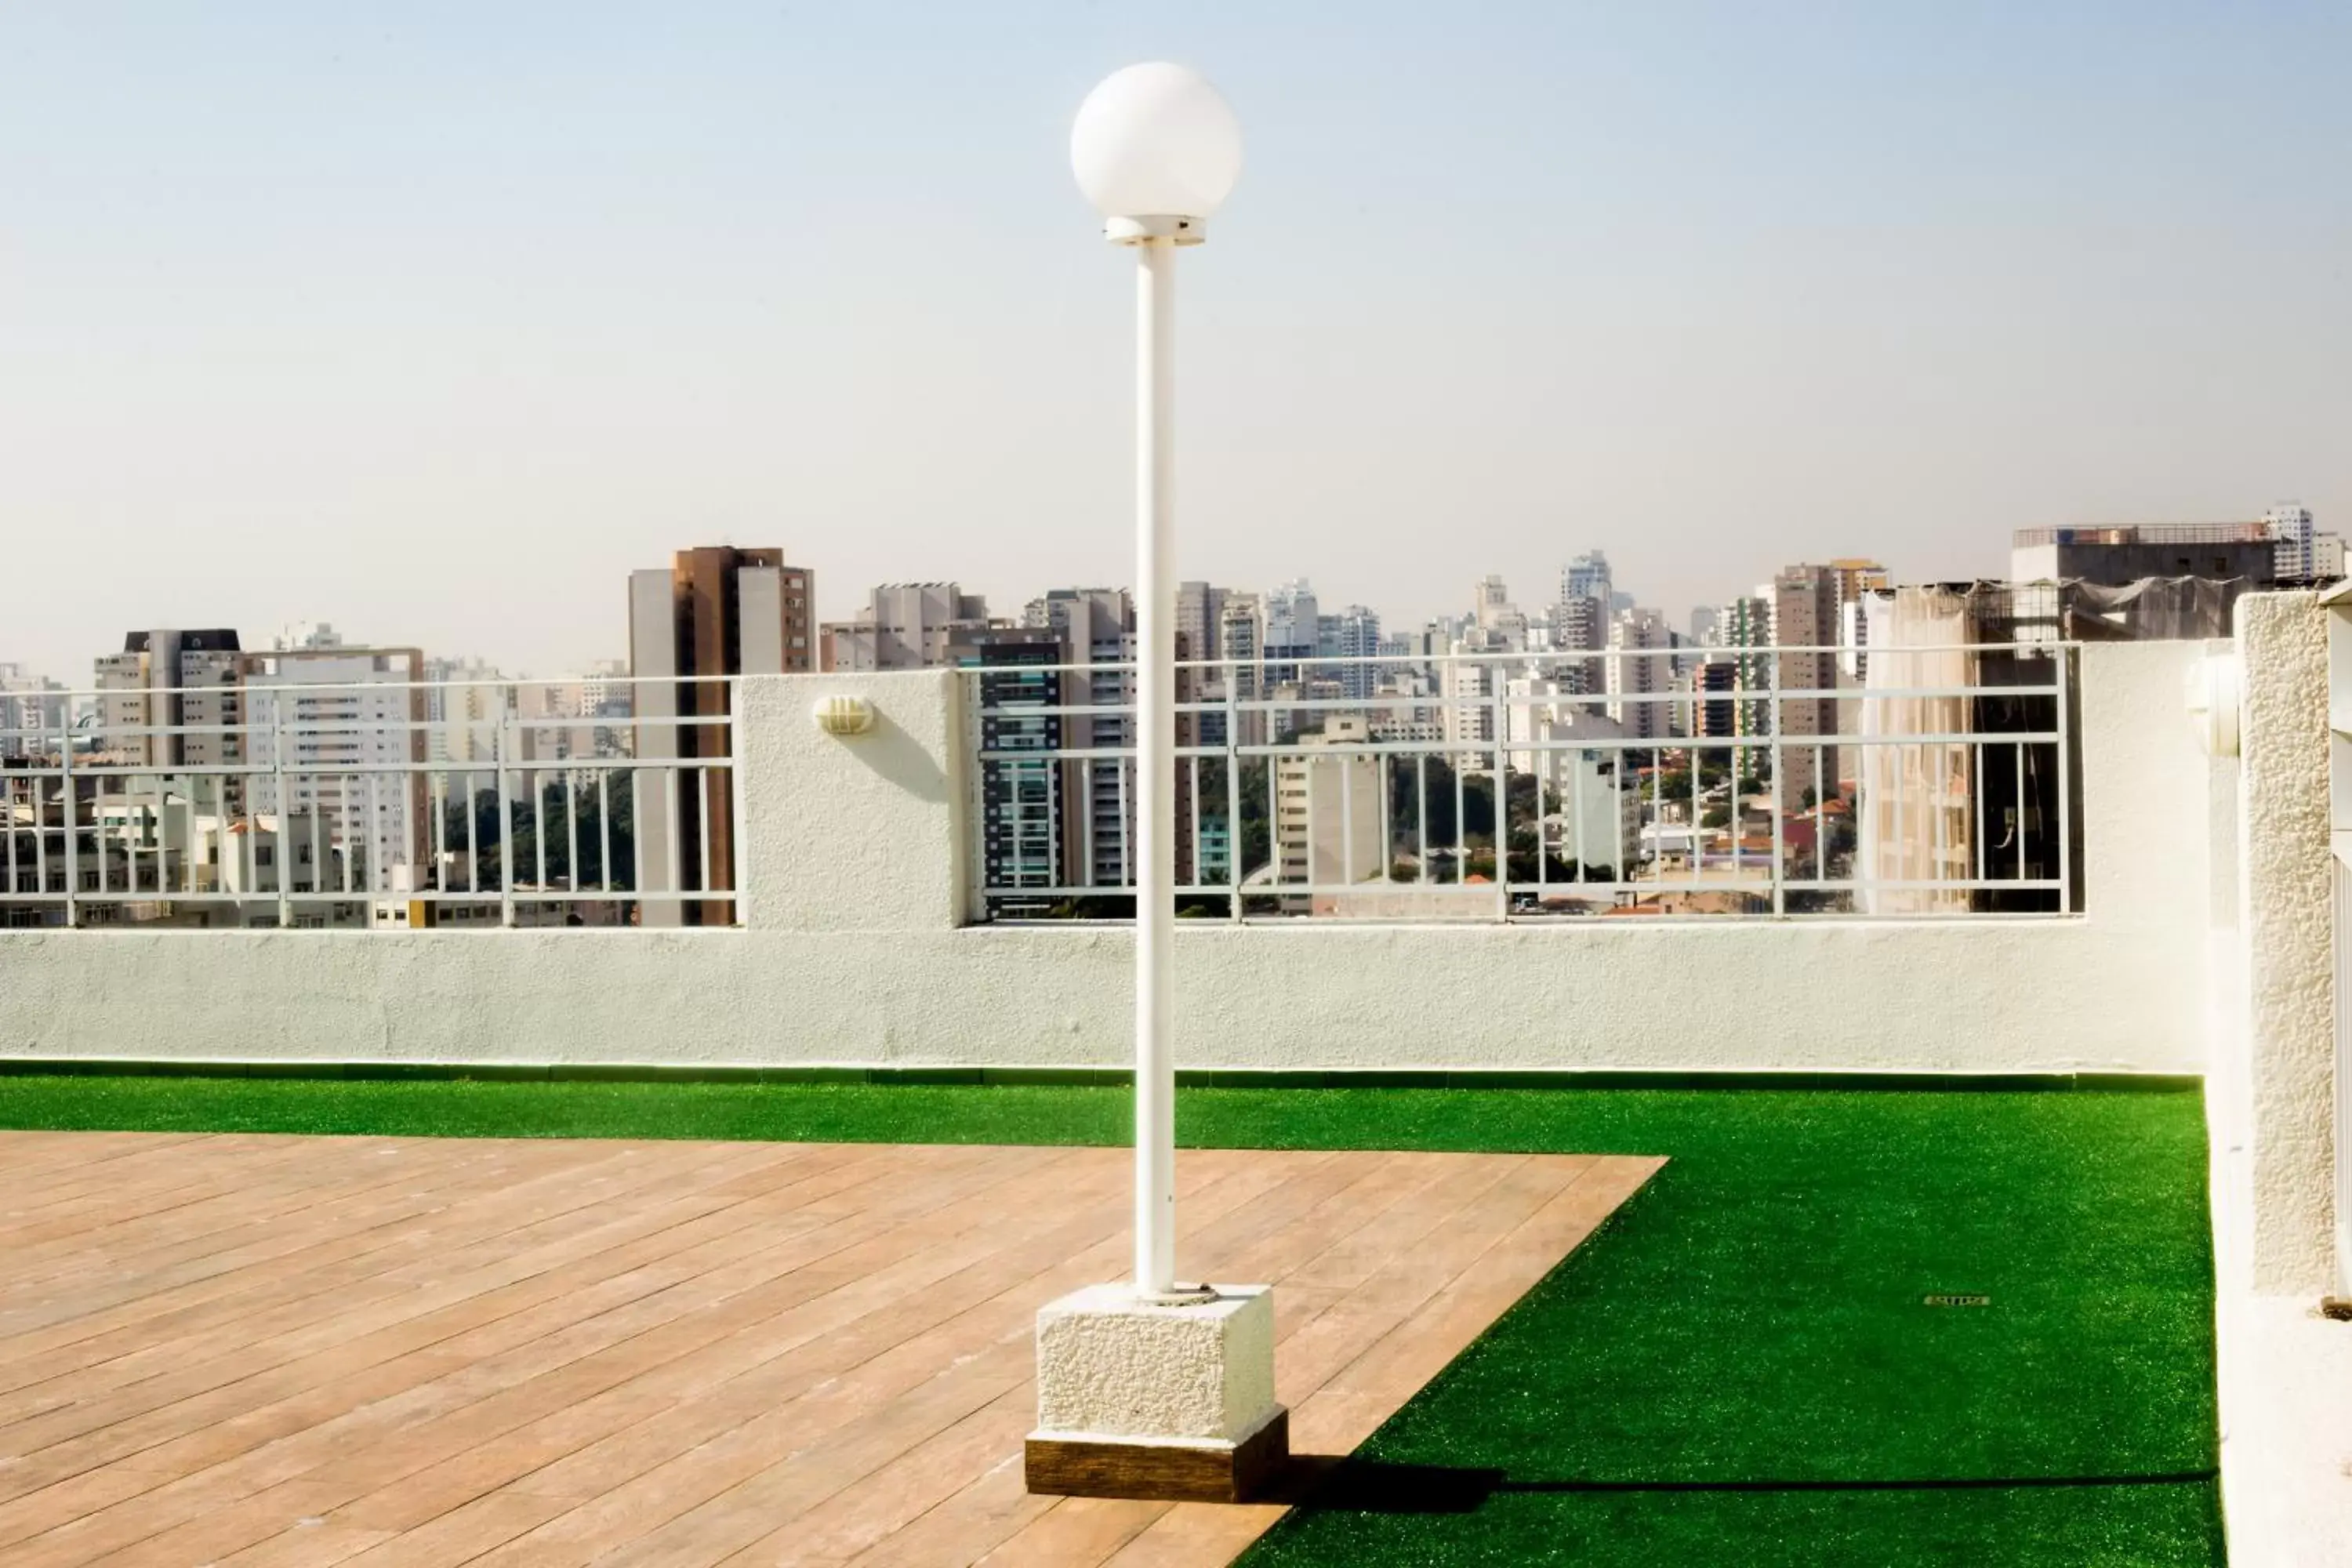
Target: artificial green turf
1738,1368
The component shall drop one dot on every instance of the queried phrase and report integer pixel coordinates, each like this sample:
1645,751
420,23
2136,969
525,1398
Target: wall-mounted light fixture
842,716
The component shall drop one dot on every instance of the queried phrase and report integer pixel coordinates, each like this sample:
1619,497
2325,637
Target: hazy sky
433,320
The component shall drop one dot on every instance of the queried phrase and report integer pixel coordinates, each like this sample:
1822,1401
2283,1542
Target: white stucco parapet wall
857,854
2273,1079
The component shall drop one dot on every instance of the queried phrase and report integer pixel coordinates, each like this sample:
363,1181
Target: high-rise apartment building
2294,554
1328,810
1467,692
464,705
332,733
1640,680
1747,623
1856,579
2327,555
1494,614
907,626
1352,638
1293,629
1097,626
1022,828
1241,643
1587,577
353,721
608,699
32,711
1805,625
1200,612
1715,708
1581,623
175,682
715,611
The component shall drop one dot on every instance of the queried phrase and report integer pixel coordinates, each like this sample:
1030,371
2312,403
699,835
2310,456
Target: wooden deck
249,1350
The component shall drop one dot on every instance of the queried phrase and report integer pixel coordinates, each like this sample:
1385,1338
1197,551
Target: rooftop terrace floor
246,1349
1749,1361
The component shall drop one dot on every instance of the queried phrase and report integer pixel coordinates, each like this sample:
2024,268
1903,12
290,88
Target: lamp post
1154,1389
1156,150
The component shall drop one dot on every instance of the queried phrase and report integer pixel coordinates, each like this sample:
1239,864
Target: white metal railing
371,805
1906,781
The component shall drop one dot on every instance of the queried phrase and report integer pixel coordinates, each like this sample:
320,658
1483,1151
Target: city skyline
1574,578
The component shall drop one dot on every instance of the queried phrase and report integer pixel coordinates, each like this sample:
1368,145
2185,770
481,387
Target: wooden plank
417,1353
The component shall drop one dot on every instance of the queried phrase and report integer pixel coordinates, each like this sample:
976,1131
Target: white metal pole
1155,819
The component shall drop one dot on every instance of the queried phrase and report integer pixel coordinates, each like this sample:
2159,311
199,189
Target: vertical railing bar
501,750
572,830
1232,791
1502,802
1461,818
375,837
41,831
1547,770
1420,821
1821,794
738,804
2017,750
1576,806
674,827
72,849
1385,766
702,828
1977,831
279,835
1942,829
8,804
2064,683
1775,798
604,829
1087,820
1696,812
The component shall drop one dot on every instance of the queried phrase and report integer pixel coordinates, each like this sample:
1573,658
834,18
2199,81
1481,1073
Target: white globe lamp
1157,150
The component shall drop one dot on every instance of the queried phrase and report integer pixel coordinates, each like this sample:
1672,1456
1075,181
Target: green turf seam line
1103,1076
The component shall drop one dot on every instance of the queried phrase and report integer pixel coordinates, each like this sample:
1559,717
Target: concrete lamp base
1170,1404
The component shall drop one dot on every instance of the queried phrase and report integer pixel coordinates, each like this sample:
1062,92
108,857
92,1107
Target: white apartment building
463,707
1466,691
907,626
1327,817
2291,527
30,709
1420,723
361,738
1494,614
1241,642
1640,682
